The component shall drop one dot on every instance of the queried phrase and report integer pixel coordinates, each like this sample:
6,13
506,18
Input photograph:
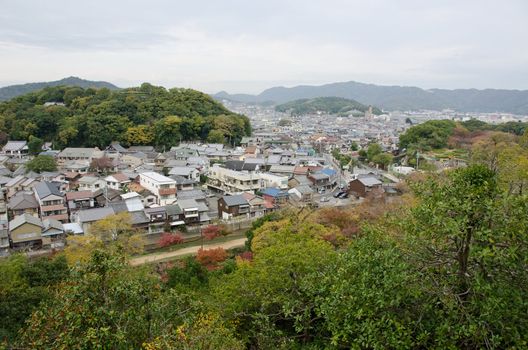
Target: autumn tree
211,258
168,239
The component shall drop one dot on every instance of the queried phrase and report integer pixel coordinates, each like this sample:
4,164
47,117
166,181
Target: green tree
216,136
373,150
354,146
41,163
35,145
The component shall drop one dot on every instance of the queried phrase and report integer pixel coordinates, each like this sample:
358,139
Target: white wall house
163,187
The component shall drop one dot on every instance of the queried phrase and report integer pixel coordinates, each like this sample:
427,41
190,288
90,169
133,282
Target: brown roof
251,149
120,177
78,195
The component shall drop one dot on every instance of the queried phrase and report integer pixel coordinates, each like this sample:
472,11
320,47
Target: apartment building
233,182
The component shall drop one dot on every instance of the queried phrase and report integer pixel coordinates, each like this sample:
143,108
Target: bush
167,239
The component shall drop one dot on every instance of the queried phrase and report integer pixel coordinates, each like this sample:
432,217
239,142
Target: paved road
157,257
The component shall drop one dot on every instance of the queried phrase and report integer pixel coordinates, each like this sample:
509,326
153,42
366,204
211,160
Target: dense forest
146,115
443,266
332,105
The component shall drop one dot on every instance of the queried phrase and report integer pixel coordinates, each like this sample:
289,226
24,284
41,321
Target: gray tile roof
22,219
89,215
232,201
45,189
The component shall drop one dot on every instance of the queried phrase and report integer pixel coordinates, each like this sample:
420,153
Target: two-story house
51,202
163,187
233,206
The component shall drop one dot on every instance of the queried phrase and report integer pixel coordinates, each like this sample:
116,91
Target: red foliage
210,258
211,232
248,256
168,239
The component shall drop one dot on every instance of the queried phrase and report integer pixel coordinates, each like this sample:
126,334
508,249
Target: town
289,161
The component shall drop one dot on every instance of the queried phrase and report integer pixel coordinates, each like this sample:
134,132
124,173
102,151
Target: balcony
166,191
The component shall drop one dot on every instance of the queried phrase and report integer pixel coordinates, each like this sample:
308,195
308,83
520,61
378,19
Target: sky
248,46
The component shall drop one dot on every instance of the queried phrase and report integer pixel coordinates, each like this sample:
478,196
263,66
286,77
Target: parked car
321,191
343,195
337,194
324,199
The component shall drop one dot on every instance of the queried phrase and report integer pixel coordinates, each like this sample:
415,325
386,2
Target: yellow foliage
79,248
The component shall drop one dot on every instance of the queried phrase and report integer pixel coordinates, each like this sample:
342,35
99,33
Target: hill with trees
398,97
331,105
145,115
8,92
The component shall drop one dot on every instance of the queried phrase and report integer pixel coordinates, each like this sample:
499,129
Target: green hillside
332,105
145,115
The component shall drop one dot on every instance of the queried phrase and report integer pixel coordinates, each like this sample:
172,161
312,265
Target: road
158,257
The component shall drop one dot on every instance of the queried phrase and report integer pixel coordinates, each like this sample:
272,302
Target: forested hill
398,97
8,92
332,105
145,115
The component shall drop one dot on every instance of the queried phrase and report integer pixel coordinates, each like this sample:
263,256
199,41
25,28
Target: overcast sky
250,45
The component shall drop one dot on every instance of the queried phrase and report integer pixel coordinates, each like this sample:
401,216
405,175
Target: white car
324,199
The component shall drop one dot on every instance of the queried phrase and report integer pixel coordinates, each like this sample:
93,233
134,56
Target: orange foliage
211,258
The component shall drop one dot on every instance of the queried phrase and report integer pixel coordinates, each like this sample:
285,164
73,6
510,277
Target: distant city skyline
247,47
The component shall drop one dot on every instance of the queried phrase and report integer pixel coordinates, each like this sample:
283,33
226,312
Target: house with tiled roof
25,231
51,201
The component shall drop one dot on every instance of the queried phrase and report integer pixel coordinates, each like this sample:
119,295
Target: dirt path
157,257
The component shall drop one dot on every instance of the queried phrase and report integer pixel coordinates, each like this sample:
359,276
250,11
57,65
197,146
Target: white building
232,181
164,188
271,180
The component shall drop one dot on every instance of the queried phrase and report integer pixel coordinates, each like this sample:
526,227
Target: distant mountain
399,97
8,92
333,105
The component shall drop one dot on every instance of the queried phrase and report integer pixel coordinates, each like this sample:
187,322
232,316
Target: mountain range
397,97
8,92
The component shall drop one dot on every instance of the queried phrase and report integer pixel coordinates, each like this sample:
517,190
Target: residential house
91,183
157,219
257,205
275,196
320,181
17,149
86,217
23,203
51,202
25,231
52,233
85,155
233,206
186,172
302,193
164,188
77,200
271,180
194,212
117,181
363,185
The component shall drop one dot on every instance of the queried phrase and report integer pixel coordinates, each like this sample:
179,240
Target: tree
41,163
354,146
210,258
103,164
383,160
373,150
167,239
216,136
467,239
139,135
35,145
210,232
